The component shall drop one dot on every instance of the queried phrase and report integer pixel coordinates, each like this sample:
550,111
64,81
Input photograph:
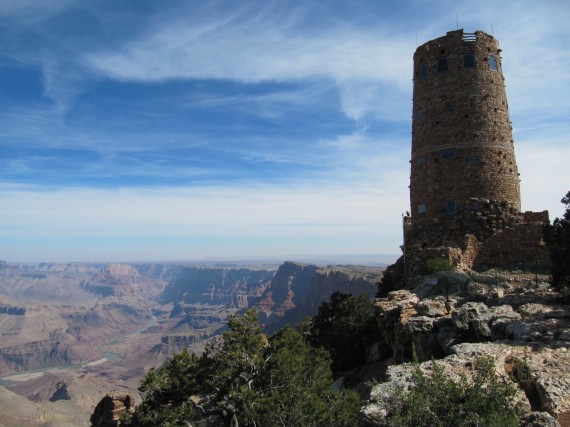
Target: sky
183,130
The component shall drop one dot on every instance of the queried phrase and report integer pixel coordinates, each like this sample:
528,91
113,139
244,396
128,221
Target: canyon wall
298,289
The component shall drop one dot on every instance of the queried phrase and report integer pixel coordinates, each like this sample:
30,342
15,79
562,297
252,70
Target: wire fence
538,274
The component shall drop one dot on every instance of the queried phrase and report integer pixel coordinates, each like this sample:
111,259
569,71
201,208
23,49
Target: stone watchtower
464,184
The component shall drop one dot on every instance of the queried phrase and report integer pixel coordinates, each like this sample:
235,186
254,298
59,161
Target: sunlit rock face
208,285
298,289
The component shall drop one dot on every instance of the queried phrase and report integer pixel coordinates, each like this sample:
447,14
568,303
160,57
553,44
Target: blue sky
155,130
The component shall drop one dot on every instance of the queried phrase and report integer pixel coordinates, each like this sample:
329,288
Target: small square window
493,63
472,159
422,72
451,207
422,208
442,65
419,116
421,160
448,153
450,109
469,61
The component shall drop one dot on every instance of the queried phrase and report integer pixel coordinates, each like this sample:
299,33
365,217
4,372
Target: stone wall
502,239
480,217
522,244
462,144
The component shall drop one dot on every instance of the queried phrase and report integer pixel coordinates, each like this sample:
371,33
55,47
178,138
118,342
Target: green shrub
434,265
557,237
438,400
245,379
344,326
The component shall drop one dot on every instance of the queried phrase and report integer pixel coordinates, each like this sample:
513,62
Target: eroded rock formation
298,289
110,409
458,329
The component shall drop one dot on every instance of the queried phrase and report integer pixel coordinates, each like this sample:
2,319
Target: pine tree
245,379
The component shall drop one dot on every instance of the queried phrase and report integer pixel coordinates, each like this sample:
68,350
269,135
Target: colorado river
17,378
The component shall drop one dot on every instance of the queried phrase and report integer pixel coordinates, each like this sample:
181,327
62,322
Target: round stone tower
463,161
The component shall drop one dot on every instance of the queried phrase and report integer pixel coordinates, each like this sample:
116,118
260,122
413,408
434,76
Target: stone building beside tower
464,184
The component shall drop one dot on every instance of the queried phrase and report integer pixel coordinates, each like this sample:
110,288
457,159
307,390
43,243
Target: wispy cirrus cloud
250,49
255,46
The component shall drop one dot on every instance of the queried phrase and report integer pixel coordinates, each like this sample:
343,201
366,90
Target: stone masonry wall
522,244
462,145
480,217
505,241
464,182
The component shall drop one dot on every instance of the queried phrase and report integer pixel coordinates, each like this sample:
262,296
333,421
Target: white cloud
265,52
248,49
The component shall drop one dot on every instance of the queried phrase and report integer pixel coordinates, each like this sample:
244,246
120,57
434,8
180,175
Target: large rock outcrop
110,409
458,329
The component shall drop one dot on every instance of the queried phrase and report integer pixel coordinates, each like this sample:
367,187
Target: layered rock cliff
298,289
122,281
211,285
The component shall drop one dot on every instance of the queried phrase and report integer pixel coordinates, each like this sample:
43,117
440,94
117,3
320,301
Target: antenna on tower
457,20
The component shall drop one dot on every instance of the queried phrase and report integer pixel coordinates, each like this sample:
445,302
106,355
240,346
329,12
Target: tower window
419,116
493,63
469,61
450,109
442,65
472,159
448,153
422,208
451,207
422,72
421,160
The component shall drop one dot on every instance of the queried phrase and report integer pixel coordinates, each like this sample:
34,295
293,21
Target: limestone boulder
533,310
420,325
526,331
401,327
476,320
383,396
432,308
538,419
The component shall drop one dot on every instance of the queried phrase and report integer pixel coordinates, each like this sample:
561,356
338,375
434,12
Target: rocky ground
528,324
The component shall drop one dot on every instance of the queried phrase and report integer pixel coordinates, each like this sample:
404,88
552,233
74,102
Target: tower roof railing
469,37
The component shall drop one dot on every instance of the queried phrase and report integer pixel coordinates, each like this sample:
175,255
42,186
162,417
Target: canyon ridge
72,332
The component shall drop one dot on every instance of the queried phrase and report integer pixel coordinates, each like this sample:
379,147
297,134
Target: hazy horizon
317,259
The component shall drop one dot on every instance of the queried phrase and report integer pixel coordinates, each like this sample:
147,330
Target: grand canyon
72,332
